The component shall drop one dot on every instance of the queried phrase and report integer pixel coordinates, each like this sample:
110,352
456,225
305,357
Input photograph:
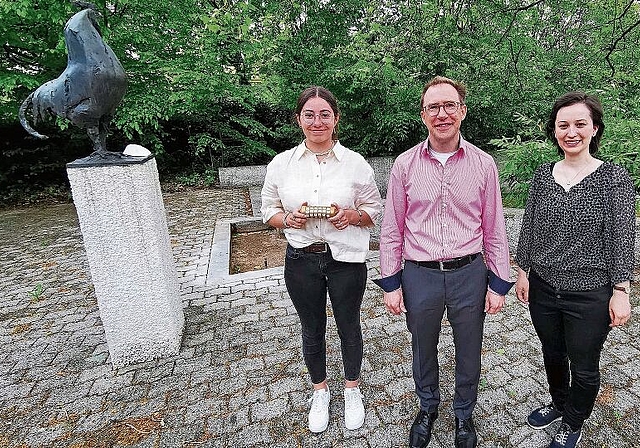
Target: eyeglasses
308,117
450,107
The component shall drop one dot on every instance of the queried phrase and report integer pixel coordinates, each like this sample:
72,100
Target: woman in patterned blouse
577,246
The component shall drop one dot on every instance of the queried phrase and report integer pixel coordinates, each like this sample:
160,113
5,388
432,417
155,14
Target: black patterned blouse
584,238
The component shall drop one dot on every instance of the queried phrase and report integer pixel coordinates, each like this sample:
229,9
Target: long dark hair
325,94
569,99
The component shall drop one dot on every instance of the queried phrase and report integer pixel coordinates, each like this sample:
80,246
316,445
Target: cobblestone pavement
239,380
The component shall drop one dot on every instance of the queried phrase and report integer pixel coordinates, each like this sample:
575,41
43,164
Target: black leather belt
316,248
446,265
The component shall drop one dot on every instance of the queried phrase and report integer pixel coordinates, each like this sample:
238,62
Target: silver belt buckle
442,268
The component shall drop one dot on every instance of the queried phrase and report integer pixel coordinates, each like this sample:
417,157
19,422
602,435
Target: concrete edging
218,272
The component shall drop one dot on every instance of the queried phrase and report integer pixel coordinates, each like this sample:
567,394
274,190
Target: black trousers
572,327
308,278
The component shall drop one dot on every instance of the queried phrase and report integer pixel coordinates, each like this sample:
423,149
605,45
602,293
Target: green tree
33,50
214,82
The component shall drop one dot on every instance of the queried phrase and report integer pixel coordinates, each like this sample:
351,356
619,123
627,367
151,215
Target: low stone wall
242,176
253,176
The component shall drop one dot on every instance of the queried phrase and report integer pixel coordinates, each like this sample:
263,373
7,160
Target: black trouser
572,327
308,277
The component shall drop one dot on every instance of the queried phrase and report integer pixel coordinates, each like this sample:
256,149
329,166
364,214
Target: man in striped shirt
443,218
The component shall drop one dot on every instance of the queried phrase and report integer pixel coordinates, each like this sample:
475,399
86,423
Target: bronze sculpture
90,88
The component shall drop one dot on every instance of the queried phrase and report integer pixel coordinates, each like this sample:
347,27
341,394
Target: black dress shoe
420,434
466,436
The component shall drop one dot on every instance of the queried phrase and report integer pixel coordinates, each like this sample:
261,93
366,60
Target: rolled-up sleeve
368,200
271,203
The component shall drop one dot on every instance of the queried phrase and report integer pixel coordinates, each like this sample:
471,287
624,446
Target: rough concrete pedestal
123,224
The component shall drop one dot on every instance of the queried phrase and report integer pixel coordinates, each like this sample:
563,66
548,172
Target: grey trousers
427,293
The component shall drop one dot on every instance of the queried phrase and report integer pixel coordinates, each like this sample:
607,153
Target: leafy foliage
213,82
519,156
622,147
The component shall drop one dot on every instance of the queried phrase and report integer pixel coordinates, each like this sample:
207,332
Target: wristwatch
625,289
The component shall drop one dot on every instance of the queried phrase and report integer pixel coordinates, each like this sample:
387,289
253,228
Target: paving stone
111,384
16,391
269,409
239,379
390,436
63,396
250,435
184,436
96,372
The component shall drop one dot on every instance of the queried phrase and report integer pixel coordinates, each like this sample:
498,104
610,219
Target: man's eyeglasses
450,107
308,117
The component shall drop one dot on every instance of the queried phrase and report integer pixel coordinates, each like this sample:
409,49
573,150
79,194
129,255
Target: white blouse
295,176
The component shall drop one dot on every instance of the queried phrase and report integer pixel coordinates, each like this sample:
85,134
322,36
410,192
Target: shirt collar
299,151
338,151
426,146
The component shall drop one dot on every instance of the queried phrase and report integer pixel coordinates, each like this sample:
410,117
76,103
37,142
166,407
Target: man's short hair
460,88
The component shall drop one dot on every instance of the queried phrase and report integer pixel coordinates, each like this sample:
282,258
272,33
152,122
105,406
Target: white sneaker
319,413
353,408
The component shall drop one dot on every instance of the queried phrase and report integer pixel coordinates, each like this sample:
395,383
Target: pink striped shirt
436,212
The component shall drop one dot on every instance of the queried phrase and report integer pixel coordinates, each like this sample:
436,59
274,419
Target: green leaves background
214,83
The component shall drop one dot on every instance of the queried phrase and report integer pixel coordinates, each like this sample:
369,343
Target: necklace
569,182
320,154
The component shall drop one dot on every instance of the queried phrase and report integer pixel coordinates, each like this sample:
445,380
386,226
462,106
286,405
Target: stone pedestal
123,224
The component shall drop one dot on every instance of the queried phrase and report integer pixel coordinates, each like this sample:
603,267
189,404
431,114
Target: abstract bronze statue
90,88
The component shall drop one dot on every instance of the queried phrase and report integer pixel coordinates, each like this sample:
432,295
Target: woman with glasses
575,256
325,198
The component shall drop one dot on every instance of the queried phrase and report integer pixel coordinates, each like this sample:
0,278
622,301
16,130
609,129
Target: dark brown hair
460,88
569,99
320,92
